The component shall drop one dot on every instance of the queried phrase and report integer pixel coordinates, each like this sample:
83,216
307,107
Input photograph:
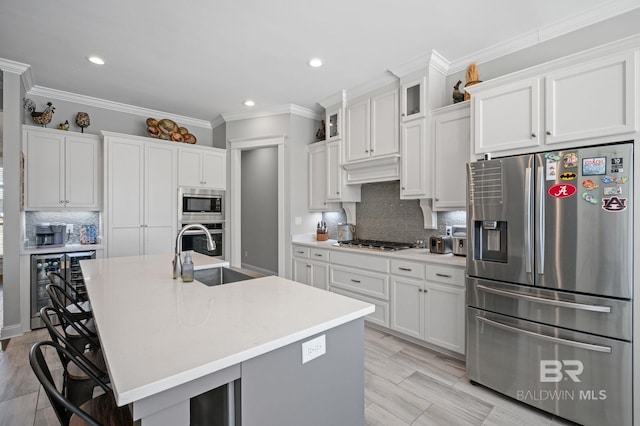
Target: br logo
553,370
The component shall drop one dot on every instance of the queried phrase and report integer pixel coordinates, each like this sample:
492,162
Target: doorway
240,239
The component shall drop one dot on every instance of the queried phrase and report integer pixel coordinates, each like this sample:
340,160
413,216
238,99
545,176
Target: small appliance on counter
441,244
346,232
459,238
50,234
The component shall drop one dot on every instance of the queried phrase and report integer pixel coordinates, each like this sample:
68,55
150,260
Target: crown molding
559,28
116,106
433,59
277,110
13,66
335,99
383,80
217,122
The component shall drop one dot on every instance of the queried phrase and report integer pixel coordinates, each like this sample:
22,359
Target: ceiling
202,58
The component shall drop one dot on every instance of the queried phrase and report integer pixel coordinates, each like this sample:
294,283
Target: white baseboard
11,331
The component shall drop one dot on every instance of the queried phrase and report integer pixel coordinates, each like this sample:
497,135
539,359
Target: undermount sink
217,276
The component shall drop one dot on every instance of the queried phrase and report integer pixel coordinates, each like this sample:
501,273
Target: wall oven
198,205
196,239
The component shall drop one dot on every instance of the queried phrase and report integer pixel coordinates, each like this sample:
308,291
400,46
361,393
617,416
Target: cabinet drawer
381,314
363,282
301,251
319,254
407,268
370,262
445,274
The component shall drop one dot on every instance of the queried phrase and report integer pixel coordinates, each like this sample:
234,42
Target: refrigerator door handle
540,236
558,340
544,300
527,220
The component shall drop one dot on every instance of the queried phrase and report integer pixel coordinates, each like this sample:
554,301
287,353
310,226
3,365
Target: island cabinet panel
328,390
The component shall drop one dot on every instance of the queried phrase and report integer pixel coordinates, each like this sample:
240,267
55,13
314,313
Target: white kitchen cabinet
452,151
310,267
413,99
202,168
62,170
372,127
444,320
141,196
416,171
337,189
317,158
593,99
407,306
333,123
507,117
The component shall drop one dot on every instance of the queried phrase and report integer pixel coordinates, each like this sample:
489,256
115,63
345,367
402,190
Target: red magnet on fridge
562,190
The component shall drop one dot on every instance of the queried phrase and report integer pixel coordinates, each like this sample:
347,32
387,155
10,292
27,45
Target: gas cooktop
374,245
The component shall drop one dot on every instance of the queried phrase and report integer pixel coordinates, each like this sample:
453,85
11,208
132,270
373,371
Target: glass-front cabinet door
333,123
413,99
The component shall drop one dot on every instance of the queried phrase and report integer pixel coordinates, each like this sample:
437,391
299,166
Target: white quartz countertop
158,333
423,255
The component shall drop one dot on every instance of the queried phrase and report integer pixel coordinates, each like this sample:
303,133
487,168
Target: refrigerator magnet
594,166
570,160
612,190
614,204
589,185
616,165
610,179
562,190
552,156
568,176
590,198
551,169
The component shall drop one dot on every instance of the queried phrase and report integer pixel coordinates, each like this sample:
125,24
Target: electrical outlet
314,348
448,230
298,220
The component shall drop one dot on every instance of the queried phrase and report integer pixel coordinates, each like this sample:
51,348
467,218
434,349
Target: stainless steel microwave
200,205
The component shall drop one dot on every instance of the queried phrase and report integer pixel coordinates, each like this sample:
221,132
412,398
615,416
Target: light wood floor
405,384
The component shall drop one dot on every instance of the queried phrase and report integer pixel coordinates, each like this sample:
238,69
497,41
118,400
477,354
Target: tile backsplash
76,218
382,215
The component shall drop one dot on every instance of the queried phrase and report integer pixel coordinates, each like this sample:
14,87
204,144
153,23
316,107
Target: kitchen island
166,342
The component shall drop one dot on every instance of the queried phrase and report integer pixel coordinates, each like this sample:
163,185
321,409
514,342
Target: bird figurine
64,126
82,120
458,96
42,118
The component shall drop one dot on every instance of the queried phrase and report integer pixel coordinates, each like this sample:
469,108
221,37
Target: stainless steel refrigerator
550,280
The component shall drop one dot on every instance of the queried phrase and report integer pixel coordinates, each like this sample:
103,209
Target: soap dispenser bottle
187,268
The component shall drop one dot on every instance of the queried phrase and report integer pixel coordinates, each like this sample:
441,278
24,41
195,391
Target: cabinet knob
403,188
366,150
61,201
338,192
66,201
403,114
533,135
308,266
548,132
371,149
420,290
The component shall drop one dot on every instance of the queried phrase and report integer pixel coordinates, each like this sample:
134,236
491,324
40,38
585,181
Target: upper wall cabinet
585,101
62,170
333,123
202,167
413,99
372,127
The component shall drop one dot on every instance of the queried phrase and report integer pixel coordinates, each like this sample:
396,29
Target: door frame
236,146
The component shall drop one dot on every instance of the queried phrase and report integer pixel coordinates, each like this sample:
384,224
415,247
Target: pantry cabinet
202,168
584,101
62,170
372,127
452,151
141,196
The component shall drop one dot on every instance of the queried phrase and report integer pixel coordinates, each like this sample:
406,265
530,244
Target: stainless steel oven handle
527,218
580,345
544,300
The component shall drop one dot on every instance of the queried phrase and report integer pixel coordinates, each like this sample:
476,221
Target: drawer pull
355,281
443,275
300,252
308,266
317,254
405,269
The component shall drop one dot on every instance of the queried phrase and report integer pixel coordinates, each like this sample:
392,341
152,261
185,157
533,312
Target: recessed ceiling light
315,62
96,60
249,102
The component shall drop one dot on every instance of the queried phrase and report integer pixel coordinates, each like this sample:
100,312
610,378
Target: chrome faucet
177,259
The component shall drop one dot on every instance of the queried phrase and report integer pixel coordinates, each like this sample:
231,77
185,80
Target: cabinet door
358,131
301,271
319,275
334,172
591,100
406,307
385,133
214,170
444,316
333,129
413,100
318,177
44,174
452,144
415,175
507,117
160,209
190,168
125,197
82,176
